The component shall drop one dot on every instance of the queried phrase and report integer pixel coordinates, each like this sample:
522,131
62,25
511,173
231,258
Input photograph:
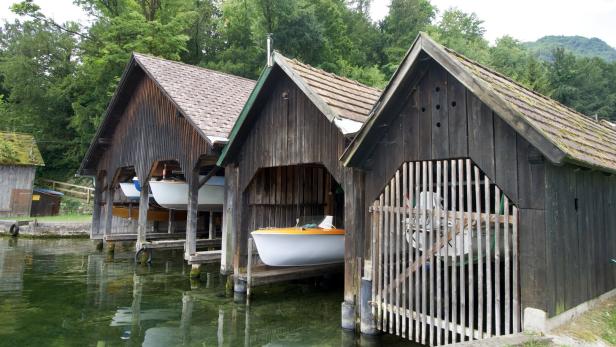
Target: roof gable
210,100
19,149
557,131
346,103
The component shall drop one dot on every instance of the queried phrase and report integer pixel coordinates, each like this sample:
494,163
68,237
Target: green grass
74,218
610,321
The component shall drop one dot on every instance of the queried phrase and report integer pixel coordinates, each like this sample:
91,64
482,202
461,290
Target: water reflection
64,292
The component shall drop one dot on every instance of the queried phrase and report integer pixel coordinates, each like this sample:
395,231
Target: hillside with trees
56,79
578,45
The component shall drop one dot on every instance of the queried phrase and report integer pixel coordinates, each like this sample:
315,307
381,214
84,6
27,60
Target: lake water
65,293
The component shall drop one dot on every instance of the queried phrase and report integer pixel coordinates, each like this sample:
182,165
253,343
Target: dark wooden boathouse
163,114
485,202
282,160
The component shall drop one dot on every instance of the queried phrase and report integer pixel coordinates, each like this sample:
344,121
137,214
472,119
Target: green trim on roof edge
245,110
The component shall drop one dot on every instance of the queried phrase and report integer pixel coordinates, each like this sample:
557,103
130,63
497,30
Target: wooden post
108,209
192,213
171,225
249,269
226,260
96,210
211,225
144,204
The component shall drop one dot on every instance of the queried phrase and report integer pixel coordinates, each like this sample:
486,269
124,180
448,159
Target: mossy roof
19,149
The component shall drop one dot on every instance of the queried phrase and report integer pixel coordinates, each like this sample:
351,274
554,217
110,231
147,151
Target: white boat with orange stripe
314,243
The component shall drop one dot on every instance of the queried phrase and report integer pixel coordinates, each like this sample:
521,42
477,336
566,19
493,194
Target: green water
65,293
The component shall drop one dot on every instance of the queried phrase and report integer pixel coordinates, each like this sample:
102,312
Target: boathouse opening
280,196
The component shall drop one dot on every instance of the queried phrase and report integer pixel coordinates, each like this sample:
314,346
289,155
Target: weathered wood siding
150,129
13,180
440,119
580,210
287,130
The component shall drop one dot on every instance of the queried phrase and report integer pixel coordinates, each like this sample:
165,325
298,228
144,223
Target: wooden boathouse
19,157
163,116
489,208
282,160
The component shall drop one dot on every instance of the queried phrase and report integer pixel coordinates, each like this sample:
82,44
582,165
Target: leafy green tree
406,18
36,65
463,33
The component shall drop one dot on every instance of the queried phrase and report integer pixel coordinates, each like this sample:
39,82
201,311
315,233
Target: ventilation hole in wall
423,109
453,104
438,89
285,95
438,107
438,124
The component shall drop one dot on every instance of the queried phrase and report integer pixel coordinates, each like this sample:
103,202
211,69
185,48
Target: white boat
309,244
129,190
449,239
174,194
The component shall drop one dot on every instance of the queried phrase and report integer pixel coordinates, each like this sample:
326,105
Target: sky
525,20
528,20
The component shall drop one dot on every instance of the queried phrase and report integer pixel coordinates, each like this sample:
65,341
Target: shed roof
19,149
559,132
345,102
210,100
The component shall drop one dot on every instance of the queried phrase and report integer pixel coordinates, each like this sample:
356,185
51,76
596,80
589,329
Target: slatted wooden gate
445,255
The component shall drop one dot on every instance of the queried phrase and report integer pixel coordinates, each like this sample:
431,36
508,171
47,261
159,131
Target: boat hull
299,249
174,194
130,191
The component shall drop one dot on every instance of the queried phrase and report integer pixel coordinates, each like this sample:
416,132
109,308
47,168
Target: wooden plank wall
278,196
441,119
287,129
14,177
581,238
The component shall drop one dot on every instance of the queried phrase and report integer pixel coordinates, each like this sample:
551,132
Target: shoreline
36,229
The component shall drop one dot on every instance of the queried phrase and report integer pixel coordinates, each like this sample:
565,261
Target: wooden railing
69,189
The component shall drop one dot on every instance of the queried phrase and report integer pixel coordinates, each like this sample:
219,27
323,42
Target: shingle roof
581,138
348,98
19,149
559,132
211,99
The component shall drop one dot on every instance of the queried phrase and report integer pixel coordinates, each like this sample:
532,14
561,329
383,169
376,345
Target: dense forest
578,45
57,78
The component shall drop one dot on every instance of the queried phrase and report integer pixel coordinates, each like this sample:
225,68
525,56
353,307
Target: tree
36,65
463,33
406,18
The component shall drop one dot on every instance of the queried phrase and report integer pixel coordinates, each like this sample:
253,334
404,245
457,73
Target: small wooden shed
282,160
163,113
486,203
19,157
45,202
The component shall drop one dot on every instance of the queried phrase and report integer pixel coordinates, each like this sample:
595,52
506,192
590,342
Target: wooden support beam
144,204
96,210
211,230
171,225
192,214
108,210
